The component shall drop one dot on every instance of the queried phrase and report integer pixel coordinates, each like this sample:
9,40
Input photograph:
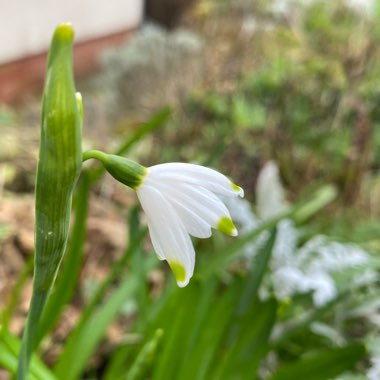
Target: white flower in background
373,347
364,7
374,371
286,242
179,200
311,267
270,195
323,286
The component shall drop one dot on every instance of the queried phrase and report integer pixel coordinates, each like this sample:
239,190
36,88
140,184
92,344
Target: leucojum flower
179,200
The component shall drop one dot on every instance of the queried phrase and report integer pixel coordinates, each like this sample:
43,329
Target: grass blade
259,267
250,345
145,357
16,292
149,126
9,352
204,354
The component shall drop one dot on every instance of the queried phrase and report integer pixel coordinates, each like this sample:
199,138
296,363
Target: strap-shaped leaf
59,165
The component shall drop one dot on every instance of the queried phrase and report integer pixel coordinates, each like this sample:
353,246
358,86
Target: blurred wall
26,26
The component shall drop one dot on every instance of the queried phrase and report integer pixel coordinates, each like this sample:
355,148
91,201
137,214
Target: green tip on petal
179,271
227,226
238,189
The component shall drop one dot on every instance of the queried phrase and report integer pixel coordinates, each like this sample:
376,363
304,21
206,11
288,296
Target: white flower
270,195
181,200
374,371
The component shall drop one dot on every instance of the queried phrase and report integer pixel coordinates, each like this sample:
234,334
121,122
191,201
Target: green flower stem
124,170
59,165
97,154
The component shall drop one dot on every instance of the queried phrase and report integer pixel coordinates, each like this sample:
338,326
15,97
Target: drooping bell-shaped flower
179,200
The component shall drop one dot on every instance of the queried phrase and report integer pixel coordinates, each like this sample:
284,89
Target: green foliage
311,102
212,329
9,350
322,365
68,278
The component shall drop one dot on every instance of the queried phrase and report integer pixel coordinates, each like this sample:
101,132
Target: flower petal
226,225
169,236
196,174
190,200
194,224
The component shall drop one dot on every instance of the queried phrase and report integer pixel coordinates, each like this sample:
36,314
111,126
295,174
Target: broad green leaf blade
59,166
322,365
68,276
